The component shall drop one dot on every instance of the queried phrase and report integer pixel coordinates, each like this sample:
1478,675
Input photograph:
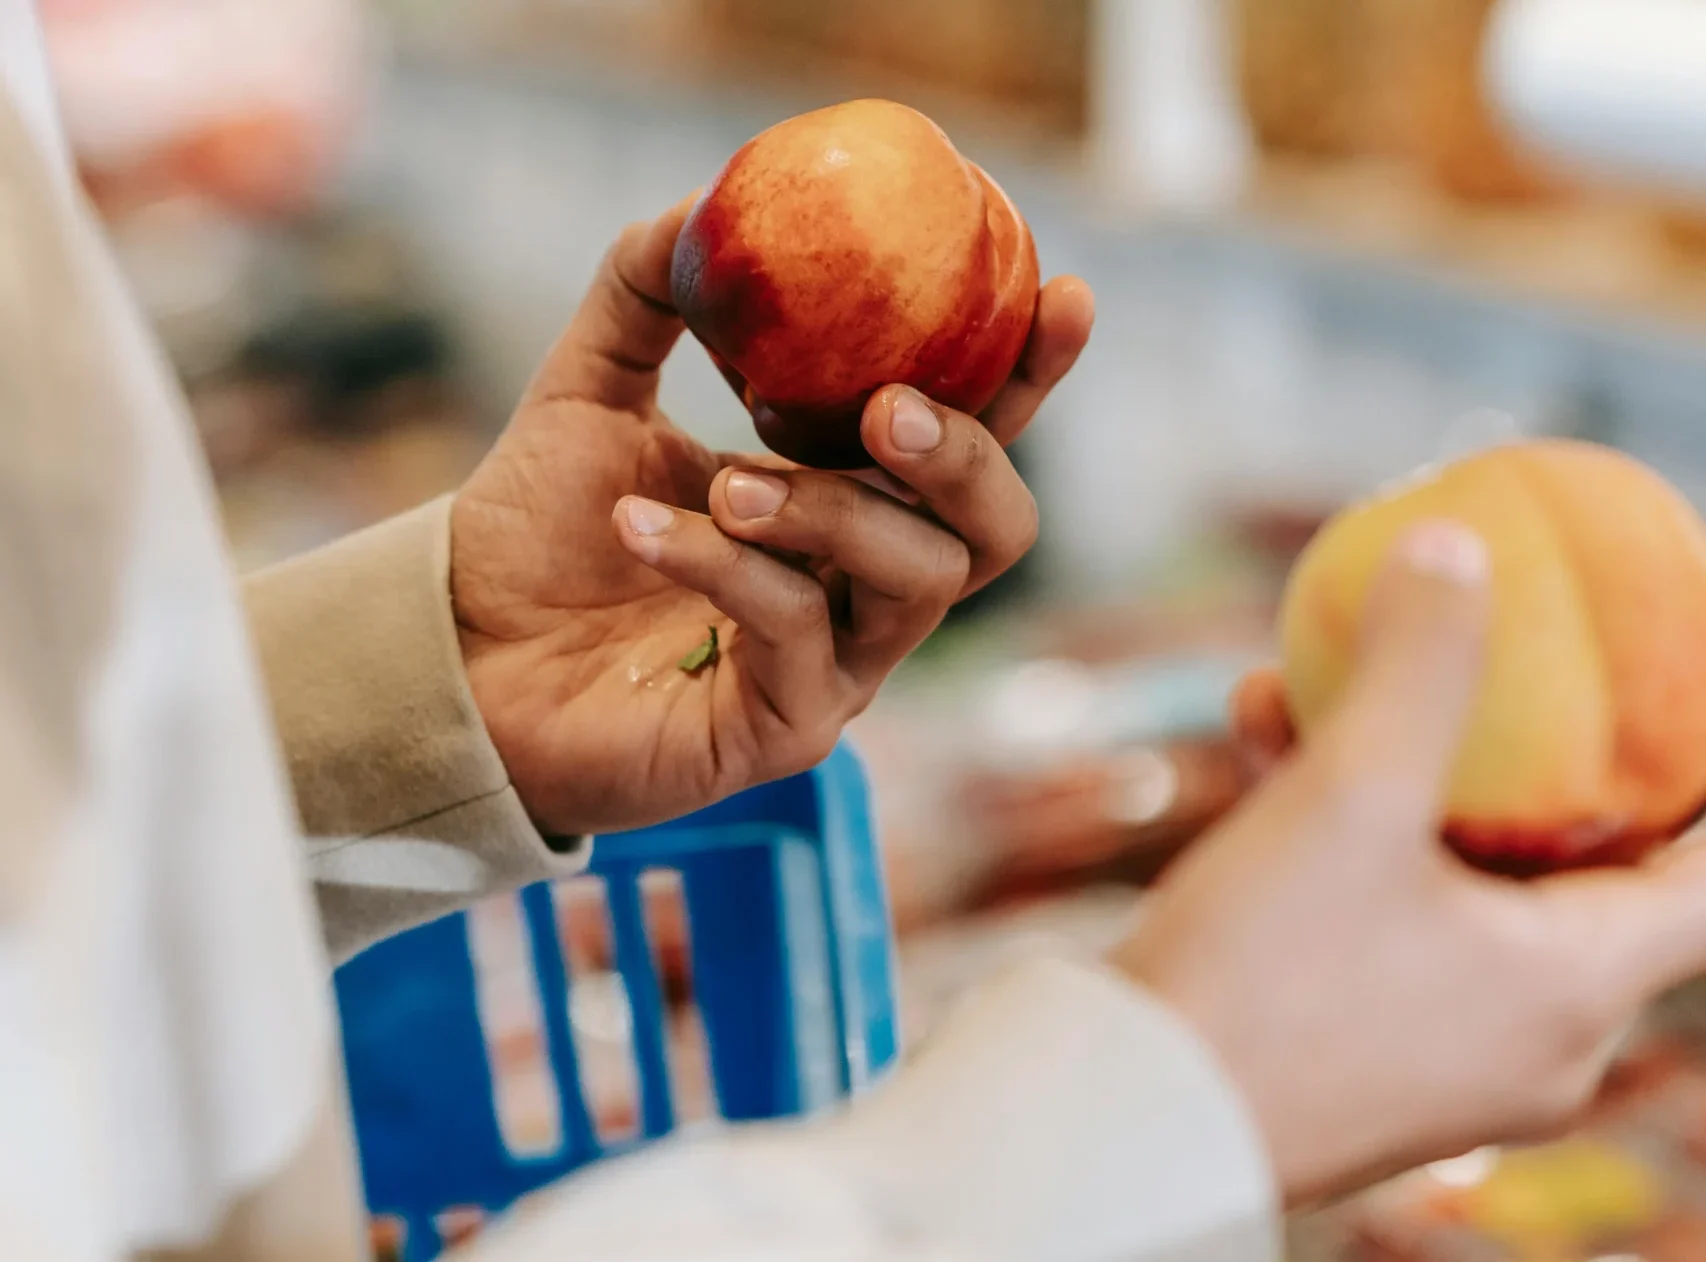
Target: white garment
164,1016
171,968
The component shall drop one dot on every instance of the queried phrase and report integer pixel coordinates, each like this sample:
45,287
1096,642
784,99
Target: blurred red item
245,102
1657,1069
1680,1238
1123,814
387,1238
460,1225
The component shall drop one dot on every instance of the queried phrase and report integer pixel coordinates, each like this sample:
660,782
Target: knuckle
805,608
869,635
738,570
951,569
972,453
860,702
1577,1022
1574,1018
841,502
1020,528
810,747
819,509
1554,1105
823,743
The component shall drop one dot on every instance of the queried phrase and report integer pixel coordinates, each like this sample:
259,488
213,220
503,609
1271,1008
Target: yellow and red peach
848,249
1587,740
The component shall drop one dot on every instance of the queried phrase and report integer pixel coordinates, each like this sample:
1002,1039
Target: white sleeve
1061,1115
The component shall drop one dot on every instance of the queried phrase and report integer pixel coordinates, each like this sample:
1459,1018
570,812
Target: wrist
1292,1167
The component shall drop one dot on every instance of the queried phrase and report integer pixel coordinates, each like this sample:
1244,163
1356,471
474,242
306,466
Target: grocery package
246,102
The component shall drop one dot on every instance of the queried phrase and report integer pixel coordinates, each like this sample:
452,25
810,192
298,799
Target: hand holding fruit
1587,741
596,546
1378,1002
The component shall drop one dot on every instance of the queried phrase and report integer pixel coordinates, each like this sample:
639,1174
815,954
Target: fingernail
756,494
913,427
1447,550
648,517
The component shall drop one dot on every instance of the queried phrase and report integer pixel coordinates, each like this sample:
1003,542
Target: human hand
597,543
1380,1003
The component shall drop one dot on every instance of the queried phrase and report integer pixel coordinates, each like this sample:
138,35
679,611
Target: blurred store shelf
1606,256
1283,358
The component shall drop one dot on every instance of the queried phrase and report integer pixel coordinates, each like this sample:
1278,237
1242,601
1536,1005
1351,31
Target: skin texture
844,250
597,543
1378,1002
1586,742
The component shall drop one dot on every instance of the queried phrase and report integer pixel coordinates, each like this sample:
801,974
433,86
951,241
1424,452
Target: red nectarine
848,249
1587,743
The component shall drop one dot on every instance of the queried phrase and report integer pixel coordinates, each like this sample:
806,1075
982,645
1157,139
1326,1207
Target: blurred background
1320,257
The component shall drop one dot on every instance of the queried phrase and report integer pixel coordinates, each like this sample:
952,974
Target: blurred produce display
1457,135
1300,66
1394,78
242,101
1029,54
1024,60
1382,140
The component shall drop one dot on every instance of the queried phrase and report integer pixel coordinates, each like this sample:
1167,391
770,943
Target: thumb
1261,717
1423,641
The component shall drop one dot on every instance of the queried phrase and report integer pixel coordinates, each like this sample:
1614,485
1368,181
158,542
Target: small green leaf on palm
703,656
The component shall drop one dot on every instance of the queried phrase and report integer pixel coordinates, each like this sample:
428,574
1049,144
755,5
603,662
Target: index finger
626,325
1261,716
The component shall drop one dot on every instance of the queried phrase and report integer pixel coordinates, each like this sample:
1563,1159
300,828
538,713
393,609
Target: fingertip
669,224
649,269
642,524
1261,716
1432,589
1066,314
1070,303
1447,550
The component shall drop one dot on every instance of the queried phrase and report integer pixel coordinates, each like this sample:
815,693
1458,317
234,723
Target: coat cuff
382,735
1063,1113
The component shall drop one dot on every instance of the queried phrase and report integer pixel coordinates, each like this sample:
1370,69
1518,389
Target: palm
588,641
574,628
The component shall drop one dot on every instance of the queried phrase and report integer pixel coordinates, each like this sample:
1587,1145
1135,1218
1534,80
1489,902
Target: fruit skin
845,250
1587,741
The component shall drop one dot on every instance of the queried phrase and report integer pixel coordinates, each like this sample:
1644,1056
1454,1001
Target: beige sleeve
396,778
